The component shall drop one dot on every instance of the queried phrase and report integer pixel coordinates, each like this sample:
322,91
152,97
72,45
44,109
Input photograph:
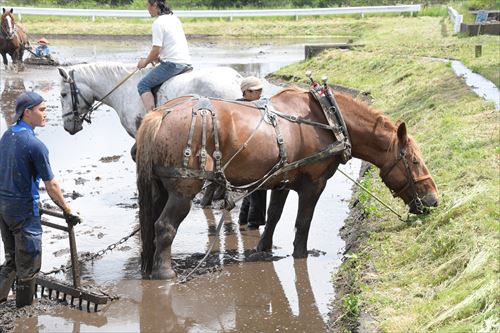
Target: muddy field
240,292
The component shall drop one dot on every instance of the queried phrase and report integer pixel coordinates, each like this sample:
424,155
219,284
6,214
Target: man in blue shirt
42,50
24,160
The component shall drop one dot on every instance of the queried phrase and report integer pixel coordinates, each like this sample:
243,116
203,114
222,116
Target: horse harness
341,146
411,181
75,101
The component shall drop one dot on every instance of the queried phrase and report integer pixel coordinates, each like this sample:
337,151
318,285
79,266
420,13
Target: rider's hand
142,63
71,218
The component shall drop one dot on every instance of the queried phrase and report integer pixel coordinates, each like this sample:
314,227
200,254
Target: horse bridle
411,181
75,92
6,34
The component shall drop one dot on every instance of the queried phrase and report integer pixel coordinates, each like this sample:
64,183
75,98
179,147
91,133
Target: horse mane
381,120
114,70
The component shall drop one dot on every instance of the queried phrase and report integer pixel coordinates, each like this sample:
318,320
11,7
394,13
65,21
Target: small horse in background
12,38
167,179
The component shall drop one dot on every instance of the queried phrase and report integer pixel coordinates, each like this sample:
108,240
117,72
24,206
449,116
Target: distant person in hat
253,207
24,160
42,50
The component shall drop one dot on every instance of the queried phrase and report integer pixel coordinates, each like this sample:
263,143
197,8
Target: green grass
440,273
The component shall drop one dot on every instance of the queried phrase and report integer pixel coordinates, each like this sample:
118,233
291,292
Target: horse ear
64,74
402,135
3,10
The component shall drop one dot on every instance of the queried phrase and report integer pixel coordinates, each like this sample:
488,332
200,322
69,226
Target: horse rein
411,181
75,92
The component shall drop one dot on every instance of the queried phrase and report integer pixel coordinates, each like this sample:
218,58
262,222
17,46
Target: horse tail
146,186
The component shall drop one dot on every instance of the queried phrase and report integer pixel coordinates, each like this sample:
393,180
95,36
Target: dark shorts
159,74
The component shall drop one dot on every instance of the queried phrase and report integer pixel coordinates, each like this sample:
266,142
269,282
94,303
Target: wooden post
479,50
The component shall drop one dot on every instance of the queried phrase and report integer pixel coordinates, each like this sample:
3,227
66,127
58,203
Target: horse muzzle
421,205
73,128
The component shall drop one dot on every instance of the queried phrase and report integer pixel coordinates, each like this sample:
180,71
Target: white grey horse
82,85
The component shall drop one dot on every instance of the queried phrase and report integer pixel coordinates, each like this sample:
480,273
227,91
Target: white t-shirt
168,33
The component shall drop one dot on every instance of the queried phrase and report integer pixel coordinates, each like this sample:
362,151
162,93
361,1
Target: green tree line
219,4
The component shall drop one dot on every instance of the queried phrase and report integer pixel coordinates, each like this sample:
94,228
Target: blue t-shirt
42,51
24,160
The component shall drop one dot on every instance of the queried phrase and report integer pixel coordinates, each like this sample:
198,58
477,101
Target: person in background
169,51
42,50
24,160
253,207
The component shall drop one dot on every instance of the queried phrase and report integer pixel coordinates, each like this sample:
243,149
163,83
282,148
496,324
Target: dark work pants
22,241
253,208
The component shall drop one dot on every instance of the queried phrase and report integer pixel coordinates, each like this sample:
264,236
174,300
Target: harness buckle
187,152
217,155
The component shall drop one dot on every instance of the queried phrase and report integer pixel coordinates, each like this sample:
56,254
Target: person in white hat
251,87
253,207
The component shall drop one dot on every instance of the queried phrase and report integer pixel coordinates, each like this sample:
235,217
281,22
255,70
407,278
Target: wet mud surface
236,289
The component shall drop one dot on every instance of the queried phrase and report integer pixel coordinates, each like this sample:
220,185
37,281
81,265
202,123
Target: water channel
94,166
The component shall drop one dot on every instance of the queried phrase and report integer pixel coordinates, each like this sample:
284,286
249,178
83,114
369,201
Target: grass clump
439,272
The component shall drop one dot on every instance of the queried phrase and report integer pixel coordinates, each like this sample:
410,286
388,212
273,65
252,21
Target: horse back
21,34
244,137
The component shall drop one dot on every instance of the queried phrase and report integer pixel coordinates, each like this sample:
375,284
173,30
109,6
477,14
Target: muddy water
97,174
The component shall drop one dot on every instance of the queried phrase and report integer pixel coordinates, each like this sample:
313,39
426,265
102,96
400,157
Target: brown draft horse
12,38
164,202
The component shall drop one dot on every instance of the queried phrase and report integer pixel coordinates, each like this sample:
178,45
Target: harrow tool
60,291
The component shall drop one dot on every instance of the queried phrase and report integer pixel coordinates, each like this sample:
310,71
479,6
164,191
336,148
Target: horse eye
415,161
63,95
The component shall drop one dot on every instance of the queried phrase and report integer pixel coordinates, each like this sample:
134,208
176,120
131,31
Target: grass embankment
441,272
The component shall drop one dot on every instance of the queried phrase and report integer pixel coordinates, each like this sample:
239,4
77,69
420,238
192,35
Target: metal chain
91,257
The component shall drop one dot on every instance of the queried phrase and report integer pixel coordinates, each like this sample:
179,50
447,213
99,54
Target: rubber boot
7,278
24,292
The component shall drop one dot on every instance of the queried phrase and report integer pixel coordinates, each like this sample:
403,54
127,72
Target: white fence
219,13
455,18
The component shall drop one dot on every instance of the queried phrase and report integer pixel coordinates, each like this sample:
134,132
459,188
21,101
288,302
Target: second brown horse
12,38
164,202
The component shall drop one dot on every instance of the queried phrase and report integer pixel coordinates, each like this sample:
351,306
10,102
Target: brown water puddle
95,170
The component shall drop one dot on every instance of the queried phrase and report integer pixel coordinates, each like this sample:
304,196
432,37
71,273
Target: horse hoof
164,274
264,247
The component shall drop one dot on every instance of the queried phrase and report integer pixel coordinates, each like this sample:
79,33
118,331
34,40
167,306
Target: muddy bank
345,315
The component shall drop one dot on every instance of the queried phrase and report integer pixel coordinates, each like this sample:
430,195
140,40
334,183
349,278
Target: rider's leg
148,100
159,74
